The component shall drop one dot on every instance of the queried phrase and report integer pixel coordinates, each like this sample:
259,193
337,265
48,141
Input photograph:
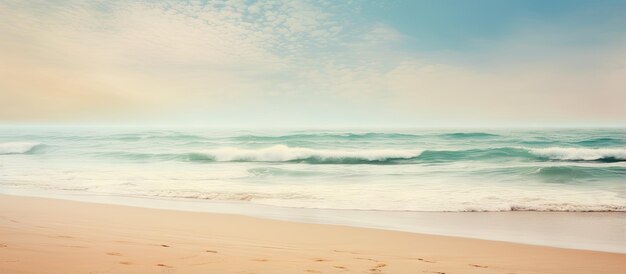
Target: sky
413,63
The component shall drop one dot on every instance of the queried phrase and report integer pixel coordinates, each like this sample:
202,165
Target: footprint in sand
114,254
64,237
340,267
319,260
10,220
313,271
424,260
345,251
164,265
126,263
260,260
165,246
378,268
367,259
75,246
477,265
210,251
3,245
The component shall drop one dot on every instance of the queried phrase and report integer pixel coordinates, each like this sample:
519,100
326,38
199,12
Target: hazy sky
314,63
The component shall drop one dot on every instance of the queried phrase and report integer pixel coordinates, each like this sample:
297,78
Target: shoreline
595,231
60,236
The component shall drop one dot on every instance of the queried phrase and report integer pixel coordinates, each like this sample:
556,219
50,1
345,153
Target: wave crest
581,154
461,135
283,153
18,147
325,136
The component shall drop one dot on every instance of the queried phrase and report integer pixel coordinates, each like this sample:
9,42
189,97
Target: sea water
365,169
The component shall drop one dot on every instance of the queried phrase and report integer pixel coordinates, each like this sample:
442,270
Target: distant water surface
399,170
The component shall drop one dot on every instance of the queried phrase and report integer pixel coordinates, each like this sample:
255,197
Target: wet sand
39,235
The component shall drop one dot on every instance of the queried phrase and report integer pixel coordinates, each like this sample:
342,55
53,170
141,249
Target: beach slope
40,235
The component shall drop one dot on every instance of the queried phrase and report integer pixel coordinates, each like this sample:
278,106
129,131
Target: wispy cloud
201,60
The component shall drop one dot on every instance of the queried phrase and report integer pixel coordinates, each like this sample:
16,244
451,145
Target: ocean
432,170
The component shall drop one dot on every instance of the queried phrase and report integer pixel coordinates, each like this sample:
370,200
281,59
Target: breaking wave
18,147
575,173
283,153
581,154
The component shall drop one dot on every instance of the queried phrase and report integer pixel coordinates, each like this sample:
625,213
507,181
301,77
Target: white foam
281,153
17,147
586,154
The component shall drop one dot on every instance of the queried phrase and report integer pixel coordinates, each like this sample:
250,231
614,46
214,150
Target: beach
41,235
313,136
195,200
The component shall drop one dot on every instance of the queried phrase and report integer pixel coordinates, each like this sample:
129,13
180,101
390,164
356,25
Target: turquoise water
405,170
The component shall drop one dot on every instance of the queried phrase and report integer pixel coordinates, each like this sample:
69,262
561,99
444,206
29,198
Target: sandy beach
41,235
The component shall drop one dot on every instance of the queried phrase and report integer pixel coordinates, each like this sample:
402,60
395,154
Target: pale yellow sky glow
295,63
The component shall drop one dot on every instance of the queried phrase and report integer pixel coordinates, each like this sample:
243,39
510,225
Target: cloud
512,83
197,60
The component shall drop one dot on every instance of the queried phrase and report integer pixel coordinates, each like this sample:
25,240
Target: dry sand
54,236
